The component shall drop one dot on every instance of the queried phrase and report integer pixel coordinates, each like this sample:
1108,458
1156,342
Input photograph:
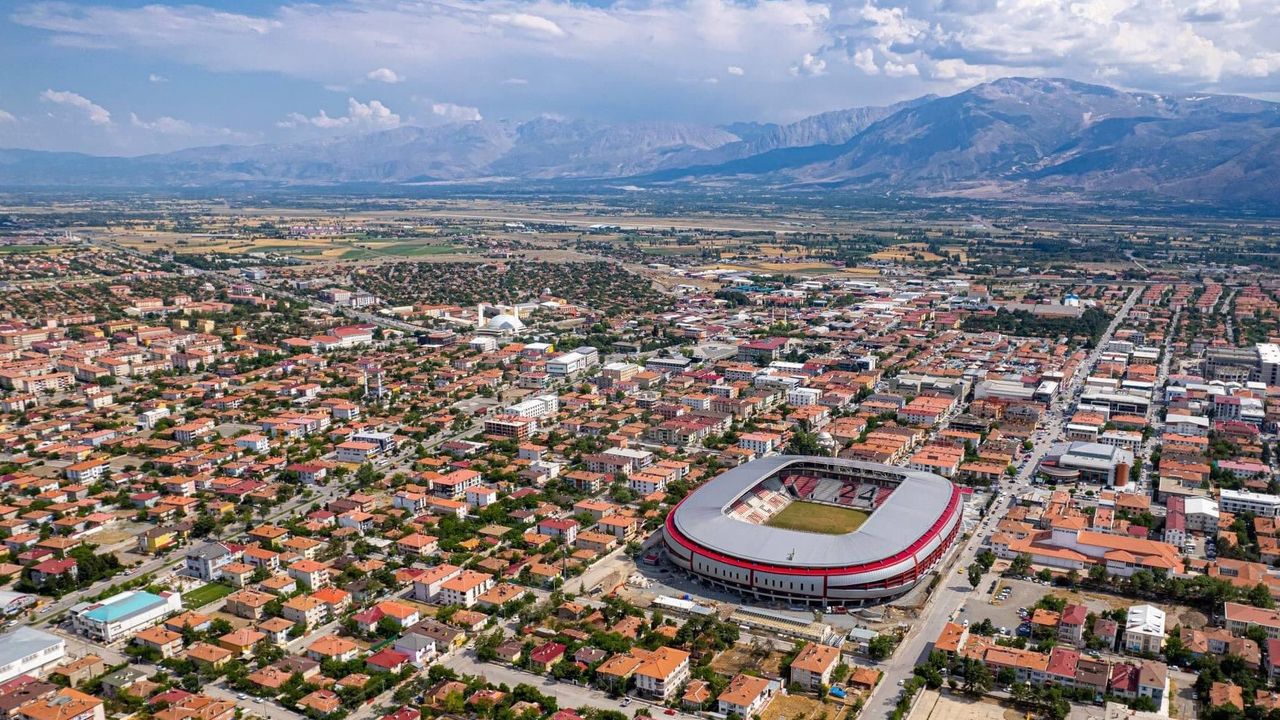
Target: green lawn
818,518
406,249
25,249
202,596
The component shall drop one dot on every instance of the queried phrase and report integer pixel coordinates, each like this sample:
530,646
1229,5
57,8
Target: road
954,589
1156,423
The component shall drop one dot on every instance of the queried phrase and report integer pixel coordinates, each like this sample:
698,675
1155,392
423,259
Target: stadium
815,530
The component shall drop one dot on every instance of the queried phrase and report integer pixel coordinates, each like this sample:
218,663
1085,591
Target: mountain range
1015,137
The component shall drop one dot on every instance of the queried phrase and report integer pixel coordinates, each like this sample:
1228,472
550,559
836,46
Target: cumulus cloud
810,65
893,69
372,115
957,70
92,111
384,75
535,24
7,117
455,113
865,60
636,59
153,77
164,124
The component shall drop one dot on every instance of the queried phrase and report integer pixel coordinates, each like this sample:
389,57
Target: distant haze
1015,137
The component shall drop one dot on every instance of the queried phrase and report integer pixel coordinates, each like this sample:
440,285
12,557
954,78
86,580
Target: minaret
479,315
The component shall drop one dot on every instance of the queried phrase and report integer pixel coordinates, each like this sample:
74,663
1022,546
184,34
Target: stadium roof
904,517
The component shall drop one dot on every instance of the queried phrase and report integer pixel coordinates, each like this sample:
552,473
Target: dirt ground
799,707
934,706
109,537
907,252
734,660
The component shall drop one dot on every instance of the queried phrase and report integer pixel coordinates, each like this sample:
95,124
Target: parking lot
1023,593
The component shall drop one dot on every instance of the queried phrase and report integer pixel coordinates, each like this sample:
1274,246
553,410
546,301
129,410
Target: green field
206,594
407,249
818,518
27,249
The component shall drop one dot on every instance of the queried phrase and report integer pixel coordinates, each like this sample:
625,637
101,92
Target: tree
804,442
1143,703
986,559
267,652
1175,653
977,678
1021,564
975,575
880,647
1260,596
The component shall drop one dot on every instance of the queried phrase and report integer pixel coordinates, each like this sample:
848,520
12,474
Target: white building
636,460
1202,514
568,365
1242,501
803,396
206,561
663,672
1144,629
760,443
465,588
1269,363
535,408
1180,424
27,650
147,419
120,616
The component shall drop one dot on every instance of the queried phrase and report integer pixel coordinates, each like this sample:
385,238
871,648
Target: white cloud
893,69
153,77
810,65
644,58
865,60
372,115
456,113
164,124
384,75
95,113
7,117
535,24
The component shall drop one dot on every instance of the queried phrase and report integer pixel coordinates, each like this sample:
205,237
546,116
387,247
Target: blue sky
129,77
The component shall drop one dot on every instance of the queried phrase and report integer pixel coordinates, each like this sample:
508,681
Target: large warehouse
815,530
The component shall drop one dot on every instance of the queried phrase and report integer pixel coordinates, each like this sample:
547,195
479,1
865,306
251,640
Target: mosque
500,324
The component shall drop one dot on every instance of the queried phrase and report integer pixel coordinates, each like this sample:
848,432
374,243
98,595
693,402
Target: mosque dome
504,322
